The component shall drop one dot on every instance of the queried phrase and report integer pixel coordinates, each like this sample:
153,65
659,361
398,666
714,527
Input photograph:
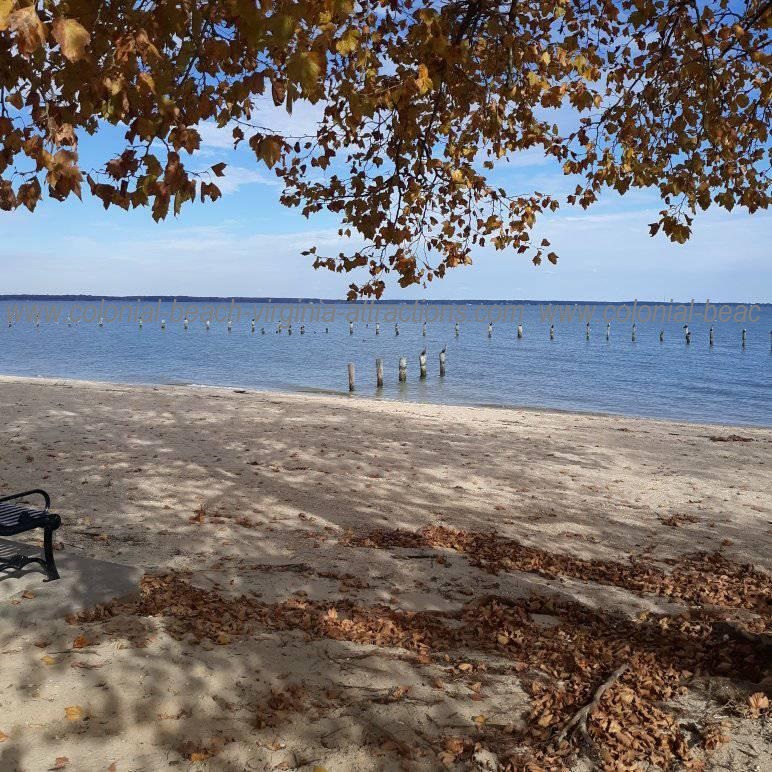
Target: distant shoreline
341,301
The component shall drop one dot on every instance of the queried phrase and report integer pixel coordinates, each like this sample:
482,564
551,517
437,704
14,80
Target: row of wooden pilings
402,370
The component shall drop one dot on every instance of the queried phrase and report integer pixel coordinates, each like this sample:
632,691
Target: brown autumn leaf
29,30
60,763
74,713
3,736
72,37
6,6
757,703
81,642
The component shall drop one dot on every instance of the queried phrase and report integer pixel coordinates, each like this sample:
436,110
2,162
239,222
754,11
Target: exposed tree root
580,717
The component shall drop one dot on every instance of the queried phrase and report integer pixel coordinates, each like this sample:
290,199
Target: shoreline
343,395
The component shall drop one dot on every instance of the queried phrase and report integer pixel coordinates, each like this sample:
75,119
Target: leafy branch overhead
421,104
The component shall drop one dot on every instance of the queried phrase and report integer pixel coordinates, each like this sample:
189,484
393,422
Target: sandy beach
365,535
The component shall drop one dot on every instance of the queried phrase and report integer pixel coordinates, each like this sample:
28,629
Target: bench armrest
38,491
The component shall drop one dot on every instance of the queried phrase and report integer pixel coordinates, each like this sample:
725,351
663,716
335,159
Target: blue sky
248,244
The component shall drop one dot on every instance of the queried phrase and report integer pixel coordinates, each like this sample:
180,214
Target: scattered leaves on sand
700,578
630,724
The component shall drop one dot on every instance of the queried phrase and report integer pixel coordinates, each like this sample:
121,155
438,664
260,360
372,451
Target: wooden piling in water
402,369
442,363
351,328
351,376
422,363
379,373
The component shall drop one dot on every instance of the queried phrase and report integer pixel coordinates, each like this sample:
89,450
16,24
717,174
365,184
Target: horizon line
361,301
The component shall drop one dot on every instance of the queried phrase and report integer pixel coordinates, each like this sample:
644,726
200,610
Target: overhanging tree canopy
422,102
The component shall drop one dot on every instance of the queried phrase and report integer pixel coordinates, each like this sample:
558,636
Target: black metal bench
17,518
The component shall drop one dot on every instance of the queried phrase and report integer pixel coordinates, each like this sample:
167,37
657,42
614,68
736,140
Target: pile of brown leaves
699,578
562,665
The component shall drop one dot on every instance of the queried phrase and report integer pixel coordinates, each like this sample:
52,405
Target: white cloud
302,122
235,177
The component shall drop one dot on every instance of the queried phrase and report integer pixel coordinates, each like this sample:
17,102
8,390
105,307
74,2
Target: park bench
16,518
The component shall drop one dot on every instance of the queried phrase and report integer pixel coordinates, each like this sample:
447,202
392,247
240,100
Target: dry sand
279,479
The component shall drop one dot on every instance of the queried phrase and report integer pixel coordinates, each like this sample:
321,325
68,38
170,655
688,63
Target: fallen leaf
3,736
47,659
60,763
758,702
81,642
74,713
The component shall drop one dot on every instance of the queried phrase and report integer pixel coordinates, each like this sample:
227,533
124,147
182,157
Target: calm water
723,384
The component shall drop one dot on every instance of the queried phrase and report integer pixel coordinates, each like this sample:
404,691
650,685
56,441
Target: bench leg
48,553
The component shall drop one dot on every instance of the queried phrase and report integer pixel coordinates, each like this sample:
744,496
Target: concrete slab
26,597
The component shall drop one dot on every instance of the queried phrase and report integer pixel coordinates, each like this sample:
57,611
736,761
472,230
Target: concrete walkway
84,583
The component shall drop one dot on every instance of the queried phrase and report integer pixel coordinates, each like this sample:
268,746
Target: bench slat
18,511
